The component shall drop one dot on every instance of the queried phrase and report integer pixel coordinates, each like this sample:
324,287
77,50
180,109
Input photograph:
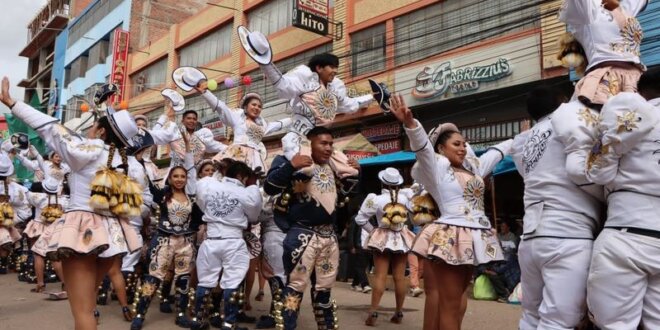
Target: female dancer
610,36
462,237
248,125
91,234
390,242
57,201
173,244
13,206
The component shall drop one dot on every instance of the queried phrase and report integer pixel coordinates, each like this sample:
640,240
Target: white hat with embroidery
187,77
256,45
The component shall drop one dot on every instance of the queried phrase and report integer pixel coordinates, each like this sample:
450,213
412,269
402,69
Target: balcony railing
51,9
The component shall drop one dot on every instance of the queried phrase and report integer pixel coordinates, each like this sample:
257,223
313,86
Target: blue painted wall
58,68
650,20
118,17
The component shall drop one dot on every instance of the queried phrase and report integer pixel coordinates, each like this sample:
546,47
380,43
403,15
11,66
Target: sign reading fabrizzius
311,15
438,80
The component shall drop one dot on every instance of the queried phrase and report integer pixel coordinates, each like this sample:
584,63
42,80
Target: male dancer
623,290
308,209
560,224
228,205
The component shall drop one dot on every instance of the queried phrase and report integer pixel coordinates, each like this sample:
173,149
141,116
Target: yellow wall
368,9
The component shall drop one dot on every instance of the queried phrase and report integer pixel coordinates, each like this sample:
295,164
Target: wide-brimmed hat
390,177
382,95
124,126
139,142
438,130
178,102
50,185
6,166
256,45
102,94
20,141
187,77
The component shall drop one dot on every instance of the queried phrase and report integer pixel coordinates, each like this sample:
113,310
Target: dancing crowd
99,214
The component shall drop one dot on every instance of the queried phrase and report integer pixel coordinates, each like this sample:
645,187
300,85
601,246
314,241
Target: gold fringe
571,54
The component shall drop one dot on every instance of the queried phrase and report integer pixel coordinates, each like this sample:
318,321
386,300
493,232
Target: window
208,48
149,78
90,18
458,23
368,50
98,53
77,69
271,17
265,88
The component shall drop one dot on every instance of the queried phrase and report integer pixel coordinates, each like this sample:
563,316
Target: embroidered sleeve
206,136
278,125
227,115
31,165
579,12
429,169
489,159
291,84
576,128
626,119
165,133
367,210
346,104
279,176
517,150
634,7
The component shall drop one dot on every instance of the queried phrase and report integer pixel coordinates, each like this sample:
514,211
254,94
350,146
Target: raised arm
493,155
227,115
289,85
579,12
348,104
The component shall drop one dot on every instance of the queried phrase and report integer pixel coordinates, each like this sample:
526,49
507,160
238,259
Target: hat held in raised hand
256,45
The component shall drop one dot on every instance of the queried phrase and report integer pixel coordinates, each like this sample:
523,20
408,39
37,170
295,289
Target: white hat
124,126
438,130
6,166
178,102
187,77
256,45
390,176
50,185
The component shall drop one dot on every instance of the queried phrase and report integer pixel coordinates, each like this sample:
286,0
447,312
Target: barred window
265,88
453,23
150,77
368,50
208,48
271,17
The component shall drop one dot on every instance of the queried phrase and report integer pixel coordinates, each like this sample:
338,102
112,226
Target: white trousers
129,261
229,256
273,251
624,281
554,282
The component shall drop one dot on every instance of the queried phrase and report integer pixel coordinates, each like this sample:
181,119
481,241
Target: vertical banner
311,15
119,65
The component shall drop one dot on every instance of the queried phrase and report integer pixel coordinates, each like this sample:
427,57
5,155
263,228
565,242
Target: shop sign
388,146
311,15
216,127
358,155
442,79
382,132
119,64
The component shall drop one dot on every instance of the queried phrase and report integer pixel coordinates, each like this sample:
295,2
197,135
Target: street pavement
22,309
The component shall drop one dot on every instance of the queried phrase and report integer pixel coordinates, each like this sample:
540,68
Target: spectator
505,275
360,257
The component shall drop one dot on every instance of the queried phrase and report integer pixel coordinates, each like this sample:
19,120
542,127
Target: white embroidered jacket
40,166
84,156
375,205
312,103
554,205
599,33
246,132
228,206
627,161
458,206
18,199
201,141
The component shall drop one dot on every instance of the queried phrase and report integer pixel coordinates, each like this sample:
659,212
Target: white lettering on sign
382,131
432,82
309,21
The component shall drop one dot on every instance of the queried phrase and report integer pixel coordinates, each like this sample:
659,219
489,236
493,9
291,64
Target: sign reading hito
311,15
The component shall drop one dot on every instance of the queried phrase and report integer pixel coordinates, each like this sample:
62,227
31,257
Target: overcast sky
13,39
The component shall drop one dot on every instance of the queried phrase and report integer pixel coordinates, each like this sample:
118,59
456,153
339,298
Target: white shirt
554,205
228,206
458,206
201,141
599,33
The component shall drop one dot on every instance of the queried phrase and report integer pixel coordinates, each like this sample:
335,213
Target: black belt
638,231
